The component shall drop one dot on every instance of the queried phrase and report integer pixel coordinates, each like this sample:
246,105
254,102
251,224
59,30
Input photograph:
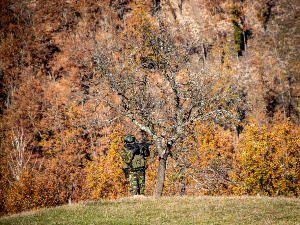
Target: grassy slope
169,210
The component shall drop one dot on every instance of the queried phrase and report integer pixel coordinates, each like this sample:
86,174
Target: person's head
129,138
143,134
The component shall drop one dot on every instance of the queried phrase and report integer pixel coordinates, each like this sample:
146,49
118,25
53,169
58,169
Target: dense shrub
59,184
270,161
105,175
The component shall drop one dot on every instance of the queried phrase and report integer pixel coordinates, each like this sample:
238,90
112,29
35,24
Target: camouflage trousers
137,182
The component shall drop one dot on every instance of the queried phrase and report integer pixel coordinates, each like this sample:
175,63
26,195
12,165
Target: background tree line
218,95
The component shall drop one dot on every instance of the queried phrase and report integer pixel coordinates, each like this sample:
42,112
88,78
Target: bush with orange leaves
202,165
270,161
59,184
31,191
206,159
105,175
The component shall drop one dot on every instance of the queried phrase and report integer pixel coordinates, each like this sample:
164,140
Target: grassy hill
169,210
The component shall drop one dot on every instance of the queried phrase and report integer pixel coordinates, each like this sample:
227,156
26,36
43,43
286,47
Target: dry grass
169,210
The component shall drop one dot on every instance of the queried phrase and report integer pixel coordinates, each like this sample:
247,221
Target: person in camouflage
135,163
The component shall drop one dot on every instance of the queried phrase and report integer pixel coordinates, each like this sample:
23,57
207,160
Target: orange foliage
269,161
105,175
210,159
58,184
202,165
68,134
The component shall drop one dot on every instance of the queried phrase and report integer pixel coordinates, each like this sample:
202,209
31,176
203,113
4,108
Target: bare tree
147,74
18,158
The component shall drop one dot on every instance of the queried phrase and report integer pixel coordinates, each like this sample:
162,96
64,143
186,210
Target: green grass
169,210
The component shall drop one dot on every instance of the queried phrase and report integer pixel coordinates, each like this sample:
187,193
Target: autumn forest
213,84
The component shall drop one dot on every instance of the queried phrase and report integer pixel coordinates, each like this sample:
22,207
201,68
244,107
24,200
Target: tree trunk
160,178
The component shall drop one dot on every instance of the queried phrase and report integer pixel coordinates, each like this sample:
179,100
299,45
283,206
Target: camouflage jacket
132,160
